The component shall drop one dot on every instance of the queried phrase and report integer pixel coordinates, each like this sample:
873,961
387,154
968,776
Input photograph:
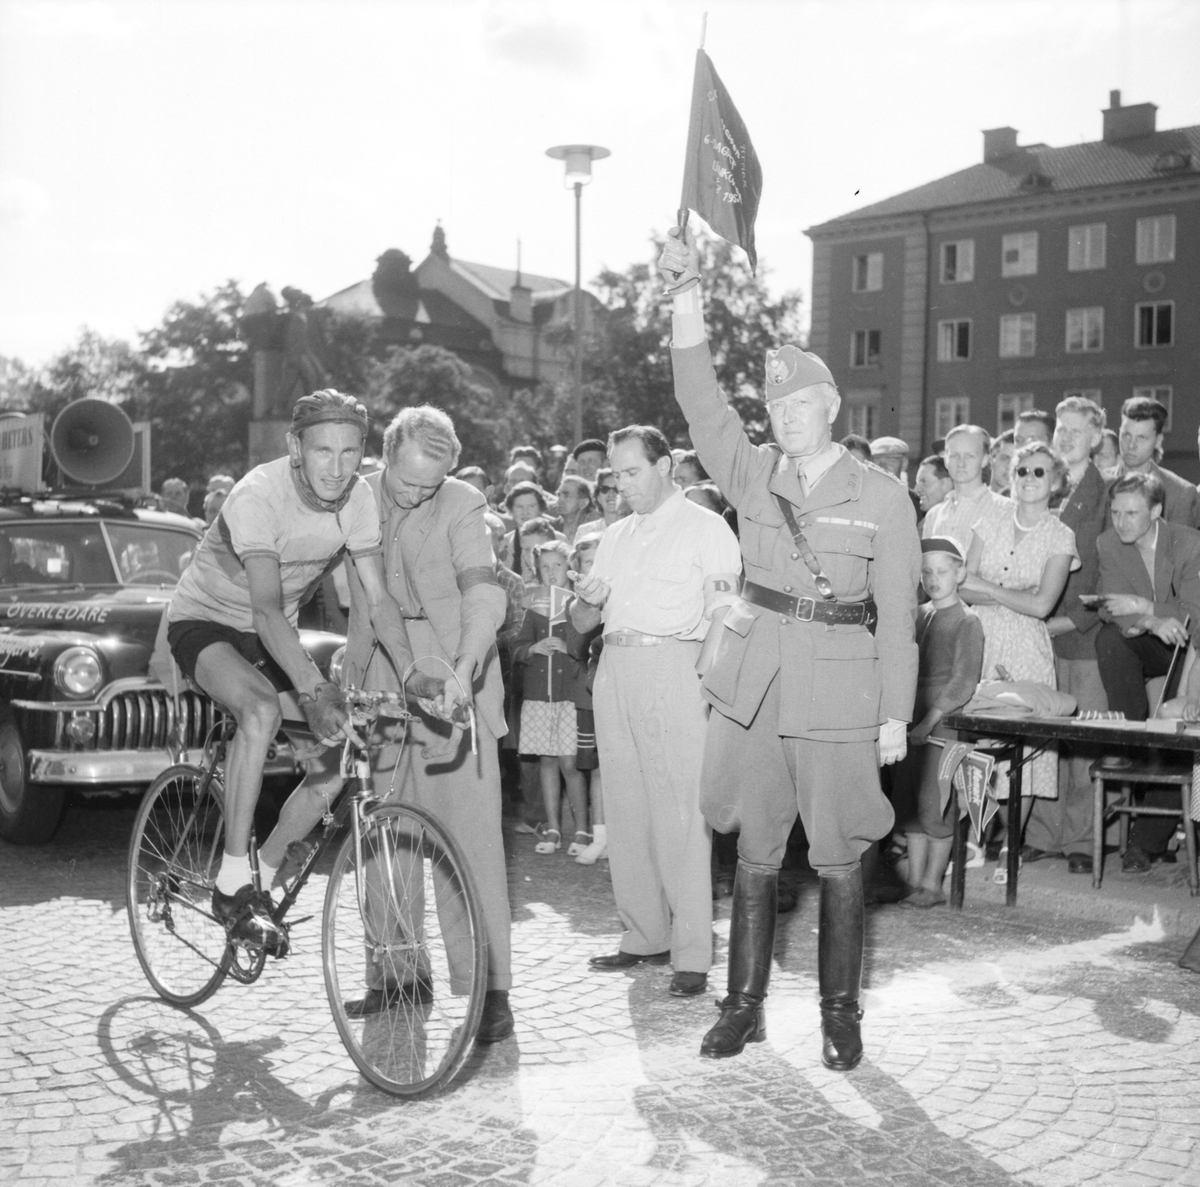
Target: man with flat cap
815,669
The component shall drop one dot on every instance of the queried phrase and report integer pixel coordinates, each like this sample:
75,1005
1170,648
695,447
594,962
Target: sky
152,149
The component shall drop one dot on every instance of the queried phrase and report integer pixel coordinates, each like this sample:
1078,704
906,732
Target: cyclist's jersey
265,516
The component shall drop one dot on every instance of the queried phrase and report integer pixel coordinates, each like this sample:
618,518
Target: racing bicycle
400,907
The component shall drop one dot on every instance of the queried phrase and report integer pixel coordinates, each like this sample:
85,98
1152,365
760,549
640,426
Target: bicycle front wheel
403,933
178,839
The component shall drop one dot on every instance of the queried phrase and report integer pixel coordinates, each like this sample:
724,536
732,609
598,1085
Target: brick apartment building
1040,272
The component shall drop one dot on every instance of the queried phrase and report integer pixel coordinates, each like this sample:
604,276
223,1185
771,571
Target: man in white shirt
661,578
971,501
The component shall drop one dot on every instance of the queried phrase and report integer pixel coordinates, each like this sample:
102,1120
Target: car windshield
92,552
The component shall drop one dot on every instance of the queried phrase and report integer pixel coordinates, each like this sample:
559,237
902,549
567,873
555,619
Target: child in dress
587,758
950,641
552,653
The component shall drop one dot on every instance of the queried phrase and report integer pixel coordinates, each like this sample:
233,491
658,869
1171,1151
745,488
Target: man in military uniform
816,667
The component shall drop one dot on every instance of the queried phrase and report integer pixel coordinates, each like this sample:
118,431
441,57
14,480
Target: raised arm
716,429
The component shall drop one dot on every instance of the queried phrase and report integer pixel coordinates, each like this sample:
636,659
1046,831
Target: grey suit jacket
1176,589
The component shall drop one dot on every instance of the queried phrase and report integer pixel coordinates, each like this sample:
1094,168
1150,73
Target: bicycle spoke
418,940
174,852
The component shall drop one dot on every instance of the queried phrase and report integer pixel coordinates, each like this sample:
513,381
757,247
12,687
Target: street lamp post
578,159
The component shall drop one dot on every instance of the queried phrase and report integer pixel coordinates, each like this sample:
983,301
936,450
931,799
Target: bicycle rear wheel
178,839
403,916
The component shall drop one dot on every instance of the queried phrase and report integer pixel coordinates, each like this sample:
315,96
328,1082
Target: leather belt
812,609
633,639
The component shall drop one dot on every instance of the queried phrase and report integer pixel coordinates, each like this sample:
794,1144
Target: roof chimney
998,142
1124,123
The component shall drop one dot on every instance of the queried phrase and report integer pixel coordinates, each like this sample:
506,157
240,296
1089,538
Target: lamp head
578,159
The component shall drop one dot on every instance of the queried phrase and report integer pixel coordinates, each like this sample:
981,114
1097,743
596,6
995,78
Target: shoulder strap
822,582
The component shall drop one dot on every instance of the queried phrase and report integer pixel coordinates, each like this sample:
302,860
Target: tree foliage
199,379
628,364
406,377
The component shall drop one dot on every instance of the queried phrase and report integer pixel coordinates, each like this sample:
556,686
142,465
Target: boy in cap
950,642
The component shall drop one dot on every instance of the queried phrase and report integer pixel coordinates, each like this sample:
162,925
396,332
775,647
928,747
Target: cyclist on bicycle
232,629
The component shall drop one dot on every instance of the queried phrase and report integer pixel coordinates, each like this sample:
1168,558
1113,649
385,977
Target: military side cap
888,447
789,369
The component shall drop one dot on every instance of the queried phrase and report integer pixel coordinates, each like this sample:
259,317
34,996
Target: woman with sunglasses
1018,565
609,502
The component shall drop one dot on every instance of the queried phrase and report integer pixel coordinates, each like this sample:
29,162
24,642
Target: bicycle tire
174,853
419,1044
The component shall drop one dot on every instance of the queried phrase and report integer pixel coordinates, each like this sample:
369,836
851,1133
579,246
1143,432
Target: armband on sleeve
480,575
721,590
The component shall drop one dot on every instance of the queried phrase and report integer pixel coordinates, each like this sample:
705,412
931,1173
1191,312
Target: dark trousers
1125,666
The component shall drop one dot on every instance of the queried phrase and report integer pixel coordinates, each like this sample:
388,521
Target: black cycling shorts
190,636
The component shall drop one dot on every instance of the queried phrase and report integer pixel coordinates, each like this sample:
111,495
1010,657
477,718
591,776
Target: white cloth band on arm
687,318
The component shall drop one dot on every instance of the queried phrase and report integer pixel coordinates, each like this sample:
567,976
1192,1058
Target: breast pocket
673,588
845,553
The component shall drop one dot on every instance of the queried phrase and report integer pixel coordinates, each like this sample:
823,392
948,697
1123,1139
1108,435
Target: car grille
145,719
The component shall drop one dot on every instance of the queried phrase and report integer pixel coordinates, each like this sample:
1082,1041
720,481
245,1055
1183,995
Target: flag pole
681,216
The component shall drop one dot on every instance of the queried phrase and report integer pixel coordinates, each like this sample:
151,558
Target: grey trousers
650,728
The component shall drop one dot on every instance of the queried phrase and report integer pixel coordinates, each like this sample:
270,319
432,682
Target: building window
949,411
1018,254
864,348
1086,393
1086,247
1085,329
1155,324
958,261
862,415
1009,406
954,340
1163,393
868,273
1018,335
1156,239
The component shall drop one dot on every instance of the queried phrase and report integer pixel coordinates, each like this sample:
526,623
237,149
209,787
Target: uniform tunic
799,704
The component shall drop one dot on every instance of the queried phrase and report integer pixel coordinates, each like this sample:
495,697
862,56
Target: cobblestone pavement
1003,1047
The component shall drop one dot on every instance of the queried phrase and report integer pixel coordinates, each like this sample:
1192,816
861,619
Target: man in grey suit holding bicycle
438,565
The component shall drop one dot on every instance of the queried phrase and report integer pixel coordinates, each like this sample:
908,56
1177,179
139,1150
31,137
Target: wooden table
1036,732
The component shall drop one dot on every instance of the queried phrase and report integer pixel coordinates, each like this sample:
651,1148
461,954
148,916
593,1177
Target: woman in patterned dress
1018,566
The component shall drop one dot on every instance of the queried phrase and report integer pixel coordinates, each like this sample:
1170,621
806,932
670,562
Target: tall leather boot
839,968
751,944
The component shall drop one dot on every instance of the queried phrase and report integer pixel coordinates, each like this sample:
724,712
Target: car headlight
78,672
336,663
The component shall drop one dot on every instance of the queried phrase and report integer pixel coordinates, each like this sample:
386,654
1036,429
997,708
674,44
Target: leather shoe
388,997
1029,853
1135,861
688,984
841,1047
496,1022
626,960
1079,863
741,1022
248,915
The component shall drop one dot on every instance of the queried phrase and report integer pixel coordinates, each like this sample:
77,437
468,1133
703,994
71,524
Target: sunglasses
1036,471
606,490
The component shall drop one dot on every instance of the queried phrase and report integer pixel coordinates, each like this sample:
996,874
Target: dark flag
722,179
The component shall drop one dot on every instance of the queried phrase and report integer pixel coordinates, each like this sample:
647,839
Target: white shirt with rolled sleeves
656,566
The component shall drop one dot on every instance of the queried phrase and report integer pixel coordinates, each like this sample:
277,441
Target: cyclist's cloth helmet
329,407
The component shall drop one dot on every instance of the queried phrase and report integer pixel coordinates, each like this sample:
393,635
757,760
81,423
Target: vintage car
83,585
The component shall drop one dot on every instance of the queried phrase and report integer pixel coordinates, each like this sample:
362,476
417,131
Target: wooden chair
1126,780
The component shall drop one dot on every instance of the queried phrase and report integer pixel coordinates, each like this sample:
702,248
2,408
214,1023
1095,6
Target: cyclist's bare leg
251,698
305,806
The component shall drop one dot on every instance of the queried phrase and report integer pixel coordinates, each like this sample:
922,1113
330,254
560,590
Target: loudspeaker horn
92,441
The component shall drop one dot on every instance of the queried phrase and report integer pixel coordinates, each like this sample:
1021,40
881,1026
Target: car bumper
102,768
